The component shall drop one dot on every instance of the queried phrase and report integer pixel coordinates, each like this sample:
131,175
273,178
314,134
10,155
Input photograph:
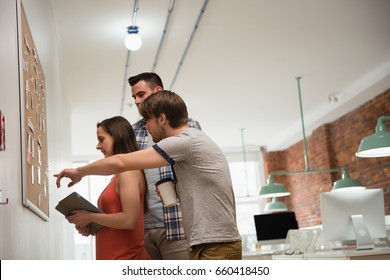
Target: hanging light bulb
133,41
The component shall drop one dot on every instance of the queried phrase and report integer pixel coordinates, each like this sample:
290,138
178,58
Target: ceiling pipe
124,87
170,10
135,10
189,42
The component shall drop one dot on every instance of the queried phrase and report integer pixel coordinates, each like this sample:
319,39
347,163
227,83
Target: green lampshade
275,206
347,183
378,144
273,189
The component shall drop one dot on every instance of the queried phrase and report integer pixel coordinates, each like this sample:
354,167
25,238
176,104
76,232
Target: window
247,174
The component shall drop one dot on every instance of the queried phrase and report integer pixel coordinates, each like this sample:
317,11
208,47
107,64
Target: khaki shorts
217,251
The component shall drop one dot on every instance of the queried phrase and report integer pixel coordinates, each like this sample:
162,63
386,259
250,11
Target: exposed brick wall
332,146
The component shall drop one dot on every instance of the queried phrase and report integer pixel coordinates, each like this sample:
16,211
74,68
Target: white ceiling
239,75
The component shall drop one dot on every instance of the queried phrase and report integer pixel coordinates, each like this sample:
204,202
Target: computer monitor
355,216
272,228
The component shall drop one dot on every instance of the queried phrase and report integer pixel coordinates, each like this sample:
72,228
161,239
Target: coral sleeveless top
119,244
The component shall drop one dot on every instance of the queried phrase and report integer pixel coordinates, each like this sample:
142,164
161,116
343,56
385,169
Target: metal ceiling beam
170,9
189,42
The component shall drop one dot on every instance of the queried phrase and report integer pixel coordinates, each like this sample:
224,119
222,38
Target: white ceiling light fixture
133,41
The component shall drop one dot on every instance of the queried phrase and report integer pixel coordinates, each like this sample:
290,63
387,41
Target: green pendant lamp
378,144
275,206
273,189
346,183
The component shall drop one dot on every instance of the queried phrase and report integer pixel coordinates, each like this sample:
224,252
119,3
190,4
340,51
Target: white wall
23,235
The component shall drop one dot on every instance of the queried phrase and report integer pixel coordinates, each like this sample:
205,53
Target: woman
123,201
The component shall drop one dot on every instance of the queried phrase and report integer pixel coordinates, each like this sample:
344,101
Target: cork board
33,123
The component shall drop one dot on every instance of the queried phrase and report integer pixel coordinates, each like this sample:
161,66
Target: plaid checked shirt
172,215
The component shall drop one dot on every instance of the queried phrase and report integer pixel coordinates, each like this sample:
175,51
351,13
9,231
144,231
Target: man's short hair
151,78
168,103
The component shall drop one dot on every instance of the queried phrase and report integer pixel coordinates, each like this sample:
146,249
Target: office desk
349,254
379,253
276,252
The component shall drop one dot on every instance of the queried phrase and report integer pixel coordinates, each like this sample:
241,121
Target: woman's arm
130,186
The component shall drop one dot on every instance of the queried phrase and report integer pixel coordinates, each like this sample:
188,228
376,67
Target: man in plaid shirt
164,233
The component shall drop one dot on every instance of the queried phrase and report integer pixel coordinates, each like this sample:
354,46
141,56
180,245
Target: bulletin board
34,149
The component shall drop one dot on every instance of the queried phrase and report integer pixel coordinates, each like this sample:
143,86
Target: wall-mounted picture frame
34,164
